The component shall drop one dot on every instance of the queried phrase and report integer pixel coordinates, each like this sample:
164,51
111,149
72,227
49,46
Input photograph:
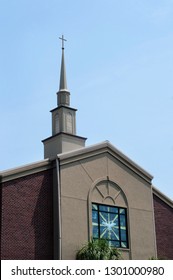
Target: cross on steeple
62,38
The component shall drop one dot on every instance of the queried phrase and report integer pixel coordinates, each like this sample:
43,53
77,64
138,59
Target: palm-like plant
98,249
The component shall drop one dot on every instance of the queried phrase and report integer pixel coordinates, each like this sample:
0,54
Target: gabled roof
101,148
86,152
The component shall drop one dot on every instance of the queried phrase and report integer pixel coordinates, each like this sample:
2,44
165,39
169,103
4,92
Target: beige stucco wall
78,188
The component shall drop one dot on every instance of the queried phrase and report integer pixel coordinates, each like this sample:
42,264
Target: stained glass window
110,223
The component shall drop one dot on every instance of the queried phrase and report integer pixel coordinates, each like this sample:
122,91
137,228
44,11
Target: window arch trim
109,184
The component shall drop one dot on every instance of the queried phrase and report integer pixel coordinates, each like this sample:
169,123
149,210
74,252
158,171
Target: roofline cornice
162,196
63,106
25,170
64,133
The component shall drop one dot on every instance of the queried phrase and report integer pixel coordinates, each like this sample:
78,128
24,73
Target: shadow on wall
27,217
42,220
164,228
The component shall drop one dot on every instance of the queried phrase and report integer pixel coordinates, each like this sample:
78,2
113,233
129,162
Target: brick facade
27,217
164,228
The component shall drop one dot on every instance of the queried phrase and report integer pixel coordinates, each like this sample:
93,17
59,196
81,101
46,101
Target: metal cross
62,38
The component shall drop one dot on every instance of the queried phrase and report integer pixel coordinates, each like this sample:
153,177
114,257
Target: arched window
108,214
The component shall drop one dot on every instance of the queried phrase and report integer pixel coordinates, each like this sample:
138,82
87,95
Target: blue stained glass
123,235
95,217
122,221
103,232
103,218
114,219
108,209
95,232
94,206
110,223
114,234
114,243
109,226
113,209
103,208
124,244
122,211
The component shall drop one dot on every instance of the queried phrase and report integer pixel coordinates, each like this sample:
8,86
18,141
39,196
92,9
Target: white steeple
63,93
63,80
64,136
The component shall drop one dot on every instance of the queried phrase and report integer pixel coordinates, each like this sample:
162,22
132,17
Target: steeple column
63,120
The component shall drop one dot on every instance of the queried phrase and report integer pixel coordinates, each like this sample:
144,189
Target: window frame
98,210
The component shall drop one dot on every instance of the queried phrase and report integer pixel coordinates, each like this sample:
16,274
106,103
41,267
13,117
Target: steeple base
61,143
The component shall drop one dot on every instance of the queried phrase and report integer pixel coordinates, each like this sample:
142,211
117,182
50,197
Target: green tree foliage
98,249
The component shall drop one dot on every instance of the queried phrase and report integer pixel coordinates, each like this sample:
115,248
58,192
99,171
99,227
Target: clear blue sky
119,62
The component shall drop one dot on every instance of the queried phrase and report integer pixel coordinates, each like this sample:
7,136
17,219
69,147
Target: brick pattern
27,217
164,228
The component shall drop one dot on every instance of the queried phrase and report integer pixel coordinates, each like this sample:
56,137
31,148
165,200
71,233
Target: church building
51,208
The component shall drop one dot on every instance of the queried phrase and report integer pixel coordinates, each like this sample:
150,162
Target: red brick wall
164,228
27,217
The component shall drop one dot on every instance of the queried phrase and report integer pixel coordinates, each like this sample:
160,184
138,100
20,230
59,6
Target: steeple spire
63,93
63,80
64,136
